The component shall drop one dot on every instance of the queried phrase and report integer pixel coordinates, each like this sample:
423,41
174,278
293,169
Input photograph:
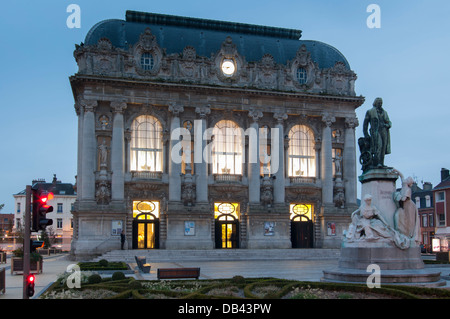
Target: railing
146,175
302,180
227,178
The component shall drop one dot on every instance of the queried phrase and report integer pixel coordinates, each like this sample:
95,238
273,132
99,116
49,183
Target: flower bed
236,288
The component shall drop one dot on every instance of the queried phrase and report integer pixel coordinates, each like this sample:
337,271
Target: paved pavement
304,270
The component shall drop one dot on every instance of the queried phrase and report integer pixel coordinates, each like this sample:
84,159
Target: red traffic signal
30,285
40,209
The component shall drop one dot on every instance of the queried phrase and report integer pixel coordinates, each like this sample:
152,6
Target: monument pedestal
398,264
387,258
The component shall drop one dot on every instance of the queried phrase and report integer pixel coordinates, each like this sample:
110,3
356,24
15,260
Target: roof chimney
444,174
427,186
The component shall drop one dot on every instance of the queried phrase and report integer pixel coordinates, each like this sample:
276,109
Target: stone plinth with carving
375,238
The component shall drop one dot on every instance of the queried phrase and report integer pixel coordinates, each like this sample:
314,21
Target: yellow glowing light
231,209
301,210
146,207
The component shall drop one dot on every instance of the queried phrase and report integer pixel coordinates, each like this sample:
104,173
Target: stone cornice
356,101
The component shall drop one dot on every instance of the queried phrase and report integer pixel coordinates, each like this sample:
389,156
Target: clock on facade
228,67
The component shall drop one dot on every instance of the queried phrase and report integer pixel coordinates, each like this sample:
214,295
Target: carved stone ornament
188,65
228,54
147,40
228,48
303,60
266,190
147,44
118,106
88,105
351,122
176,109
255,115
303,56
203,111
280,116
104,122
103,192
188,191
104,44
328,119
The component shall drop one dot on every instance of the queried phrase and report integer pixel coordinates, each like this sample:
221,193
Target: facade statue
376,142
406,217
103,154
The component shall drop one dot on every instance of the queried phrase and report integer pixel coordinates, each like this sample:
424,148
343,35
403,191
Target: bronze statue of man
380,140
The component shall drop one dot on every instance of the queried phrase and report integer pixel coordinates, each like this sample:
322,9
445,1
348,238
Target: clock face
228,67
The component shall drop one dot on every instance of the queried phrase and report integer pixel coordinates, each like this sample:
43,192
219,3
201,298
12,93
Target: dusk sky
405,62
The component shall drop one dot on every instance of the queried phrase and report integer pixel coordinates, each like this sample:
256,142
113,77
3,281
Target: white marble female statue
368,225
406,217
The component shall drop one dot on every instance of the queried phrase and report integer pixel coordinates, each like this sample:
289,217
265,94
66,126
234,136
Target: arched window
146,144
227,148
301,156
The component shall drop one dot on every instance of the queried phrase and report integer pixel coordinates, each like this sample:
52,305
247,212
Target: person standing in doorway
122,239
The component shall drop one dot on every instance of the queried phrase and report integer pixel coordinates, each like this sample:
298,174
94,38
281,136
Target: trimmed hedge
102,265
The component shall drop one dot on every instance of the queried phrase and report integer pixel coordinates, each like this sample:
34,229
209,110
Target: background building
424,201
441,195
64,198
6,222
230,86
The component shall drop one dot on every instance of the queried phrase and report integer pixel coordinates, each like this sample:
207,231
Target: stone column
118,151
254,183
80,112
327,160
127,150
277,165
174,167
201,166
89,151
349,161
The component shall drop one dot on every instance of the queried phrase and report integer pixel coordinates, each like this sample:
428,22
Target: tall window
301,156
227,148
146,144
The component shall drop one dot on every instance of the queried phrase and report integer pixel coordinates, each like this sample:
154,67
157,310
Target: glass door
227,225
145,225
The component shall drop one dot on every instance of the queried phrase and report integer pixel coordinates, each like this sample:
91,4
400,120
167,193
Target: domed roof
174,33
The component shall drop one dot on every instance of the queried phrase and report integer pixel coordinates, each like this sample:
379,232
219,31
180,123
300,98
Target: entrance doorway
226,225
145,225
301,226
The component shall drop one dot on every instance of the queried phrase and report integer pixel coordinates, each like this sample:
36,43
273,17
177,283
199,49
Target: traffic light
40,209
30,285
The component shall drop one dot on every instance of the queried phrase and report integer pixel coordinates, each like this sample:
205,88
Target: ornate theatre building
202,134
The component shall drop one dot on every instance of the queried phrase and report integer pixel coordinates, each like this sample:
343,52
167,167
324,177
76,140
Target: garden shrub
103,263
118,275
94,279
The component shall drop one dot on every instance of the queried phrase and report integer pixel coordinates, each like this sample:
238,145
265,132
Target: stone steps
162,255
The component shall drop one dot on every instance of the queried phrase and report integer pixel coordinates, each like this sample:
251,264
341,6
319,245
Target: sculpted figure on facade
103,152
